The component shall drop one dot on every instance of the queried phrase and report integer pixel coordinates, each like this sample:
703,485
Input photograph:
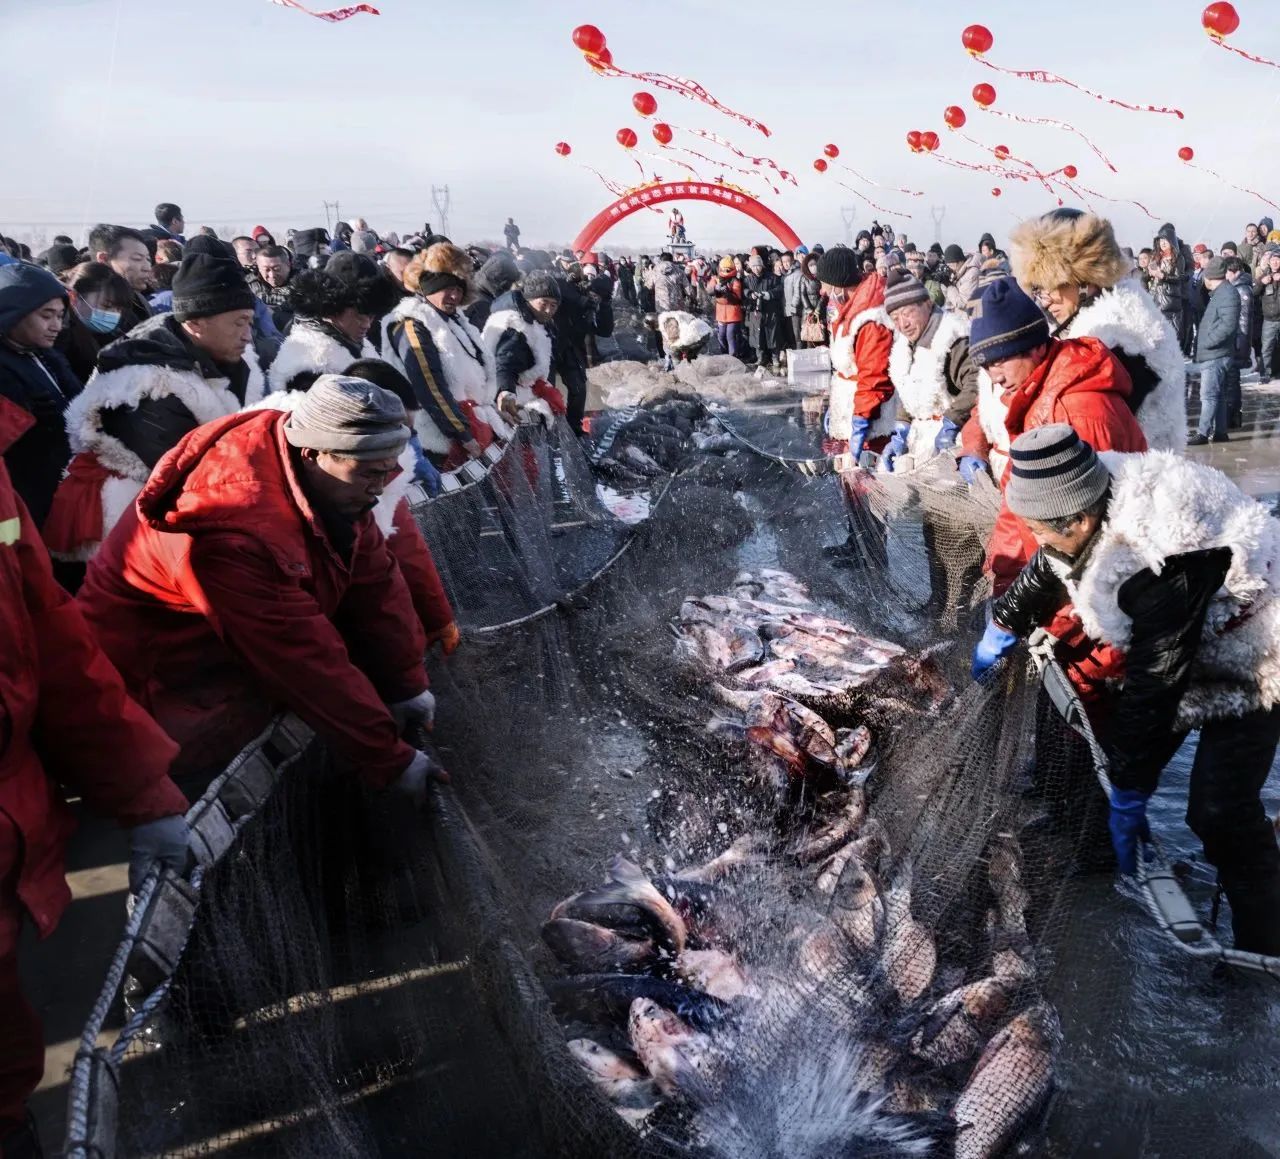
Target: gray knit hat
349,417
903,289
1055,474
540,284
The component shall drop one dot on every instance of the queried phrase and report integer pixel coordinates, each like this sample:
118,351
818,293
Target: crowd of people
207,445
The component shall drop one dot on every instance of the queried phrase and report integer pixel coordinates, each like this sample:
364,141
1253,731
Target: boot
1255,916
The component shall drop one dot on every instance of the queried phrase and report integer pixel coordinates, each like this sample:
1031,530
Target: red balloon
646,104
996,191
589,39
1186,153
1070,171
977,39
662,133
954,116
601,59
915,140
627,138
1001,152
563,149
831,151
1220,19
984,95
929,141
820,165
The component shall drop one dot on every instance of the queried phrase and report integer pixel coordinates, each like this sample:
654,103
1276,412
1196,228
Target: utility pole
847,214
440,199
337,214
937,212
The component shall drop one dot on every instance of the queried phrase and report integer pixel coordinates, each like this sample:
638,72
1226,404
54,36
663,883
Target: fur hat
442,262
1061,249
348,279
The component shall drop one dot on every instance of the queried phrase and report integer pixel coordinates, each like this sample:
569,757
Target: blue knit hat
1006,323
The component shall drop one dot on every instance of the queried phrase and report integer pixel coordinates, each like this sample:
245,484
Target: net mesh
913,946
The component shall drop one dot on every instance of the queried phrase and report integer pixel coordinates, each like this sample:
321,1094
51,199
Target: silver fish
588,948
714,972
749,849
1004,872
871,844
956,1026
857,907
840,827
675,1055
623,1083
910,956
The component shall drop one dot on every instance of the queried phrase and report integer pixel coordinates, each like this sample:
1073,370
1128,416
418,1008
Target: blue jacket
1220,325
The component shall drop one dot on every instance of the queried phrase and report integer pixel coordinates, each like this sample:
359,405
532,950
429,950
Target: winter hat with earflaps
1006,323
1055,474
1066,247
349,417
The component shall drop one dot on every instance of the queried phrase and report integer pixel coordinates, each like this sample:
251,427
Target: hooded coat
41,383
67,719
498,274
222,596
763,294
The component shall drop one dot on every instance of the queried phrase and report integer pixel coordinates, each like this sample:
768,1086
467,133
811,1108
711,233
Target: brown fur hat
1066,248
441,258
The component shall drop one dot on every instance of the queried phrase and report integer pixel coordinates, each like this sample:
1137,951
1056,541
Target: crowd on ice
207,446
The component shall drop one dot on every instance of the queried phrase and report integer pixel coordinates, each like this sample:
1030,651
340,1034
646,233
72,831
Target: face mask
103,321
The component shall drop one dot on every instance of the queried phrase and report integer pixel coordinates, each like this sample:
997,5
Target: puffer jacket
1220,325
964,284
69,726
668,287
223,596
498,274
1170,290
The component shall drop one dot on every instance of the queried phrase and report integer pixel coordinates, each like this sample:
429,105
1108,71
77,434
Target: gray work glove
417,710
413,781
164,841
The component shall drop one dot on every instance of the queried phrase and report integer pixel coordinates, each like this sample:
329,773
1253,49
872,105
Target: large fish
770,584
857,907
625,1084
629,902
726,646
1004,872
840,827
714,972
604,999
1009,1083
673,1052
956,1026
869,847
910,956
588,948
749,849
804,727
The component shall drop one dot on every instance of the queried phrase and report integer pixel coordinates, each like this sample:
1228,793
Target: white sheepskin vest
539,340
844,380
308,350
992,416
468,372
1163,505
692,330
1125,318
919,378
206,398
384,512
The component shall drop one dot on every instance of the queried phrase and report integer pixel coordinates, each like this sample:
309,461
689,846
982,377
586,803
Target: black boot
1255,917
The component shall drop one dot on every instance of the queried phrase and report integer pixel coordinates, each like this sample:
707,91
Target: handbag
811,329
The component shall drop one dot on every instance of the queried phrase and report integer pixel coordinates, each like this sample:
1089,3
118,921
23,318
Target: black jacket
1168,612
1269,295
575,319
763,298
1220,325
498,274
1144,379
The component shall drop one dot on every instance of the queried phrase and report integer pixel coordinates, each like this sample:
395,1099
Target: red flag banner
334,14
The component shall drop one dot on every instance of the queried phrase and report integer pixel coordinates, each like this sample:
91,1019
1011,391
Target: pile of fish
829,1026
633,447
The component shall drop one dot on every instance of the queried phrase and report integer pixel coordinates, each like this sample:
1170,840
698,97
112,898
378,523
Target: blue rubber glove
947,436
994,646
1128,825
897,445
971,467
164,841
858,437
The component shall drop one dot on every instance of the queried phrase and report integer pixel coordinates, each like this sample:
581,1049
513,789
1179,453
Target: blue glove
897,445
858,429
994,646
947,436
164,841
971,467
1128,825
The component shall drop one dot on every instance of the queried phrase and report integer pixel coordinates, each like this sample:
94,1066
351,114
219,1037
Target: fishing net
815,892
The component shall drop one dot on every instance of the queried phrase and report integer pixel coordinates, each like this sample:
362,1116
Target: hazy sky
244,112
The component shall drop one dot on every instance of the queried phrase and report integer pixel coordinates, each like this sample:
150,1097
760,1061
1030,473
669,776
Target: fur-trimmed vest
919,378
1161,506
536,337
389,500
309,350
1126,319
468,371
992,416
127,386
844,380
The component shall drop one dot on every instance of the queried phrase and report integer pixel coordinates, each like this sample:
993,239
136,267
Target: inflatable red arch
657,192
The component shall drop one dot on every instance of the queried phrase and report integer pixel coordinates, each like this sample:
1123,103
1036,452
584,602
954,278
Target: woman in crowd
1169,273
811,296
98,297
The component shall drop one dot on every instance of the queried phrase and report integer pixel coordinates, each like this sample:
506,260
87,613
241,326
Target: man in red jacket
65,720
251,575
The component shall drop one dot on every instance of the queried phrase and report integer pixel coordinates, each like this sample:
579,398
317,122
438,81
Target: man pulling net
1168,562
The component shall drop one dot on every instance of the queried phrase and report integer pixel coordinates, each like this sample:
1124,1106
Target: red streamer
681,85
1232,184
877,184
877,208
1052,78
1241,52
334,14
723,165
1007,156
664,160
615,188
1081,190
1052,123
724,143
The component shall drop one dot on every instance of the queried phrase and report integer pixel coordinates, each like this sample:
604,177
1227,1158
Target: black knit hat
1006,323
936,248
840,267
953,253
205,286
57,259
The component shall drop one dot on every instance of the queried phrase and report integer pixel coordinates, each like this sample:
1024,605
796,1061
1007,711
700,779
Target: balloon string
1052,78
1080,190
877,184
685,87
1232,184
877,208
334,14
1009,157
724,143
1052,123
1247,55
